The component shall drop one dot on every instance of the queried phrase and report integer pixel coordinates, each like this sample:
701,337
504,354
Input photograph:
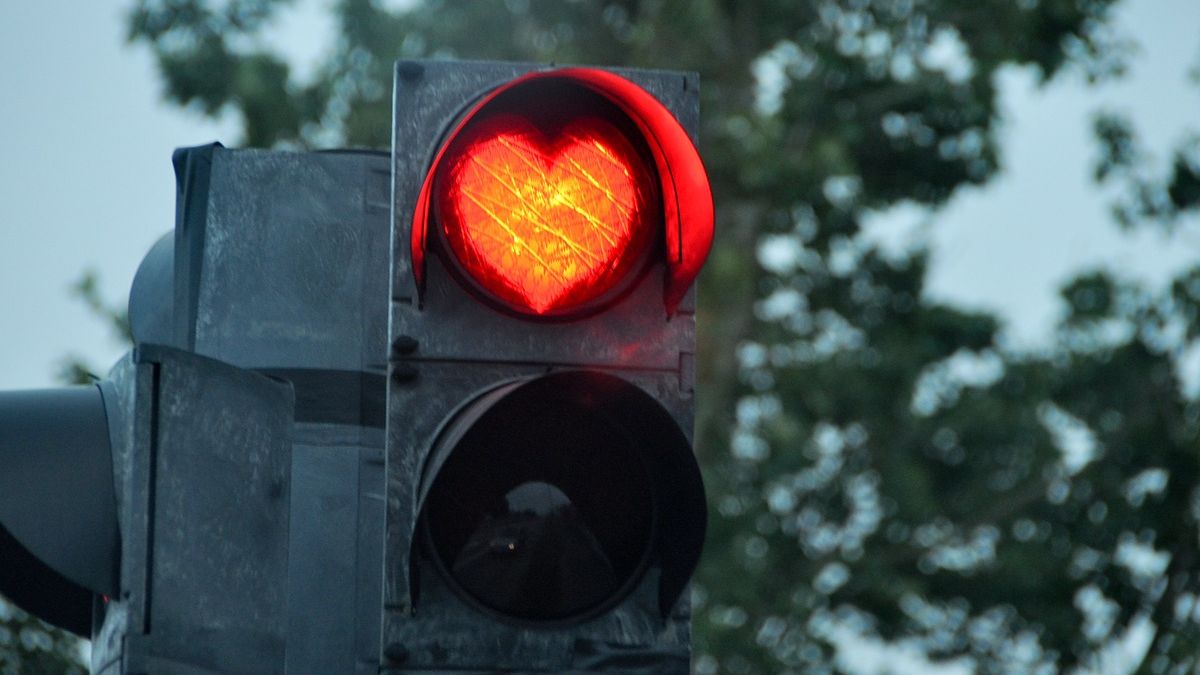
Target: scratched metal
294,273
205,558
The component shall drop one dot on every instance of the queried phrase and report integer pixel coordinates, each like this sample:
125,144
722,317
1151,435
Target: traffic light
422,411
544,510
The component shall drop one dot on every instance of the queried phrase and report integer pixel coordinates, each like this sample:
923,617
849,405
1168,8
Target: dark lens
543,510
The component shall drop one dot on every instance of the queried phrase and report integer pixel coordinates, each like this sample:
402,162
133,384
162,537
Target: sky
1010,244
87,179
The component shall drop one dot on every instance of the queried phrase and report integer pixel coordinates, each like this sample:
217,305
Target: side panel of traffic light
203,471
273,281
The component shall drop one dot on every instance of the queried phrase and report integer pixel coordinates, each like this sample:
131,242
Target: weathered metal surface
204,584
335,545
294,266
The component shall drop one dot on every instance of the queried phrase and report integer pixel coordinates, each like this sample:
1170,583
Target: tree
1028,517
28,645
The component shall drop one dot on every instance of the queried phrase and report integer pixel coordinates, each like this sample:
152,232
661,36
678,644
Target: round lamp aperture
544,215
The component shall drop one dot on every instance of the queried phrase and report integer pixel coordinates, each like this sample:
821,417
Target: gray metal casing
204,513
275,279
294,284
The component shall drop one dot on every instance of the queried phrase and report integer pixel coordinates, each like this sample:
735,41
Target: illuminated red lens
547,221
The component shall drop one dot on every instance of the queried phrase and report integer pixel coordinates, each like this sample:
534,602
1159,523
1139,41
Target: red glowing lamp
548,219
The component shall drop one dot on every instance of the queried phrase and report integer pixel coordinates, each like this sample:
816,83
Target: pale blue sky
87,178
1010,244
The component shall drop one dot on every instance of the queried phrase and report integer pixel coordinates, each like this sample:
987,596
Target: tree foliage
880,467
28,645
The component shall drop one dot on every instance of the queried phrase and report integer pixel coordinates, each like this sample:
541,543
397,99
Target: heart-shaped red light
545,221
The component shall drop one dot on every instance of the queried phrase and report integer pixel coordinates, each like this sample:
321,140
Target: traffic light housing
58,514
494,402
350,439
244,431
